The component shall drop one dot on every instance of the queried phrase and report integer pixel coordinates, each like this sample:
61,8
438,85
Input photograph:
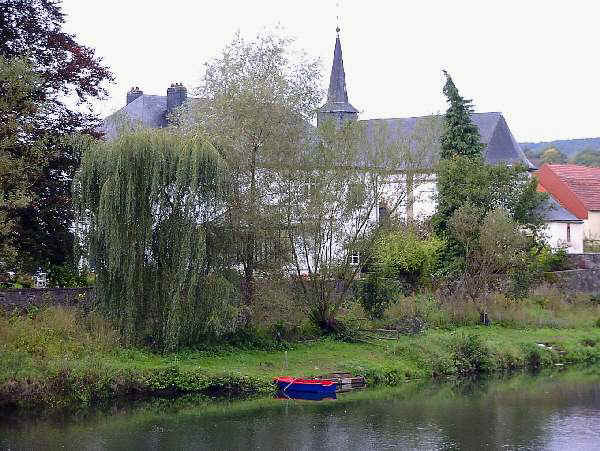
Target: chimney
133,94
176,96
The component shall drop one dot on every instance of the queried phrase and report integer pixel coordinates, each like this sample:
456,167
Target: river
549,411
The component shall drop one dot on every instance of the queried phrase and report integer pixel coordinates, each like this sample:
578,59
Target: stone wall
584,261
576,280
22,298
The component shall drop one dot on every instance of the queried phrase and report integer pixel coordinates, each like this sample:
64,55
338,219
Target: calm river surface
559,410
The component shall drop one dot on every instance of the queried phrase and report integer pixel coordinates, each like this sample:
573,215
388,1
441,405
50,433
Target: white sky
534,60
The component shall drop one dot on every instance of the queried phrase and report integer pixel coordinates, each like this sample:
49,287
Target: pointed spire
337,95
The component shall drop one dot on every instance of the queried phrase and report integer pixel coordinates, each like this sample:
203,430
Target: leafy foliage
258,97
587,157
64,69
552,156
330,195
486,187
495,248
375,294
143,200
404,256
467,185
20,166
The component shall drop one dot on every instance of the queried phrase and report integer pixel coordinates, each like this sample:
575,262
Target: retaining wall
576,280
584,261
22,298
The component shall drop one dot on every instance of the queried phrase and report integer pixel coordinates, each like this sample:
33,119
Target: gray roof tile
146,110
500,145
554,212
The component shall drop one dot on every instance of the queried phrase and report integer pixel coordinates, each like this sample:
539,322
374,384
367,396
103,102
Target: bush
376,294
68,276
404,256
549,259
471,355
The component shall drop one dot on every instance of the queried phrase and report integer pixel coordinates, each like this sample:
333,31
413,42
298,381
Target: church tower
337,107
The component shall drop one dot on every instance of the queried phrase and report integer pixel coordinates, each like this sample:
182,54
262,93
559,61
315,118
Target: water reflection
307,396
550,411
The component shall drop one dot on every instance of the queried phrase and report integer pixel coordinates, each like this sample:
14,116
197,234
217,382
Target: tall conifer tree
461,136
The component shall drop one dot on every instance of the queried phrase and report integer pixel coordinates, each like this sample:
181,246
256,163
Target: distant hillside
569,147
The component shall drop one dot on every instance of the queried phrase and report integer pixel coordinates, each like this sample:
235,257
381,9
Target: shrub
68,275
548,259
471,355
376,293
403,256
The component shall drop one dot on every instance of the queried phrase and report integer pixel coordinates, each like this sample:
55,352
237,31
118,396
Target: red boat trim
292,380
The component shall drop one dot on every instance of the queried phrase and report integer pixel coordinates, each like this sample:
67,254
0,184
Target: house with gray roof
151,111
563,229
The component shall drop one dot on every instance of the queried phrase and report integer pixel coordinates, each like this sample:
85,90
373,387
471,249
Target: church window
568,233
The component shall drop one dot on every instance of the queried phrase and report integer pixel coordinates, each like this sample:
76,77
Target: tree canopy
258,97
143,202
65,70
587,157
552,156
20,166
466,182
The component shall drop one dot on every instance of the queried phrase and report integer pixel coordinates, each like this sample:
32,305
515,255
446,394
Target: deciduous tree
143,201
68,73
257,98
330,199
20,166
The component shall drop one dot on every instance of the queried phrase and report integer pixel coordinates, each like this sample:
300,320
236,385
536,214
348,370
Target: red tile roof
577,188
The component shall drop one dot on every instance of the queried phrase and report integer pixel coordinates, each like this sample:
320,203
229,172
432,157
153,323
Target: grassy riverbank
59,359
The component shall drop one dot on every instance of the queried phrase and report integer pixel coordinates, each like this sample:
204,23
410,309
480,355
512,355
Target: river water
550,411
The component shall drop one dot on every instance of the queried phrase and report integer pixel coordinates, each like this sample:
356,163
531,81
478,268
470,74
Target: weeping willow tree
143,200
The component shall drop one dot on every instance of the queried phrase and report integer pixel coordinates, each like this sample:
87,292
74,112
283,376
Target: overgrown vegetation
57,358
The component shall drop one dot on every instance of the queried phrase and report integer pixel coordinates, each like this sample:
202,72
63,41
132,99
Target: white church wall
424,199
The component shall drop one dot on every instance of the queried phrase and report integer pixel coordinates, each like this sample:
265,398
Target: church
500,146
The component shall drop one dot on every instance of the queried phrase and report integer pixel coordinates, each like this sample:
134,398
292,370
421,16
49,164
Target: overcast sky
536,61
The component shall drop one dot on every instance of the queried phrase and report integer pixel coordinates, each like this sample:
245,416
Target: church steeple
337,106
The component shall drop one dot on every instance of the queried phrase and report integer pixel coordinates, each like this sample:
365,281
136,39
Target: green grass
58,358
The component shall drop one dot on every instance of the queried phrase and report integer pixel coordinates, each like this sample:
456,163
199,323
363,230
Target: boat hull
325,388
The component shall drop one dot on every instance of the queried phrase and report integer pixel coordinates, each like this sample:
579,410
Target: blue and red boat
320,386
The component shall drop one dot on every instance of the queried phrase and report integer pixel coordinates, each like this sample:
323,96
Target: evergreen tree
467,183
461,150
461,136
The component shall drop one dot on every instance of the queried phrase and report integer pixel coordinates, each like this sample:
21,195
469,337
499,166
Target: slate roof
337,95
147,110
576,184
500,145
554,212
